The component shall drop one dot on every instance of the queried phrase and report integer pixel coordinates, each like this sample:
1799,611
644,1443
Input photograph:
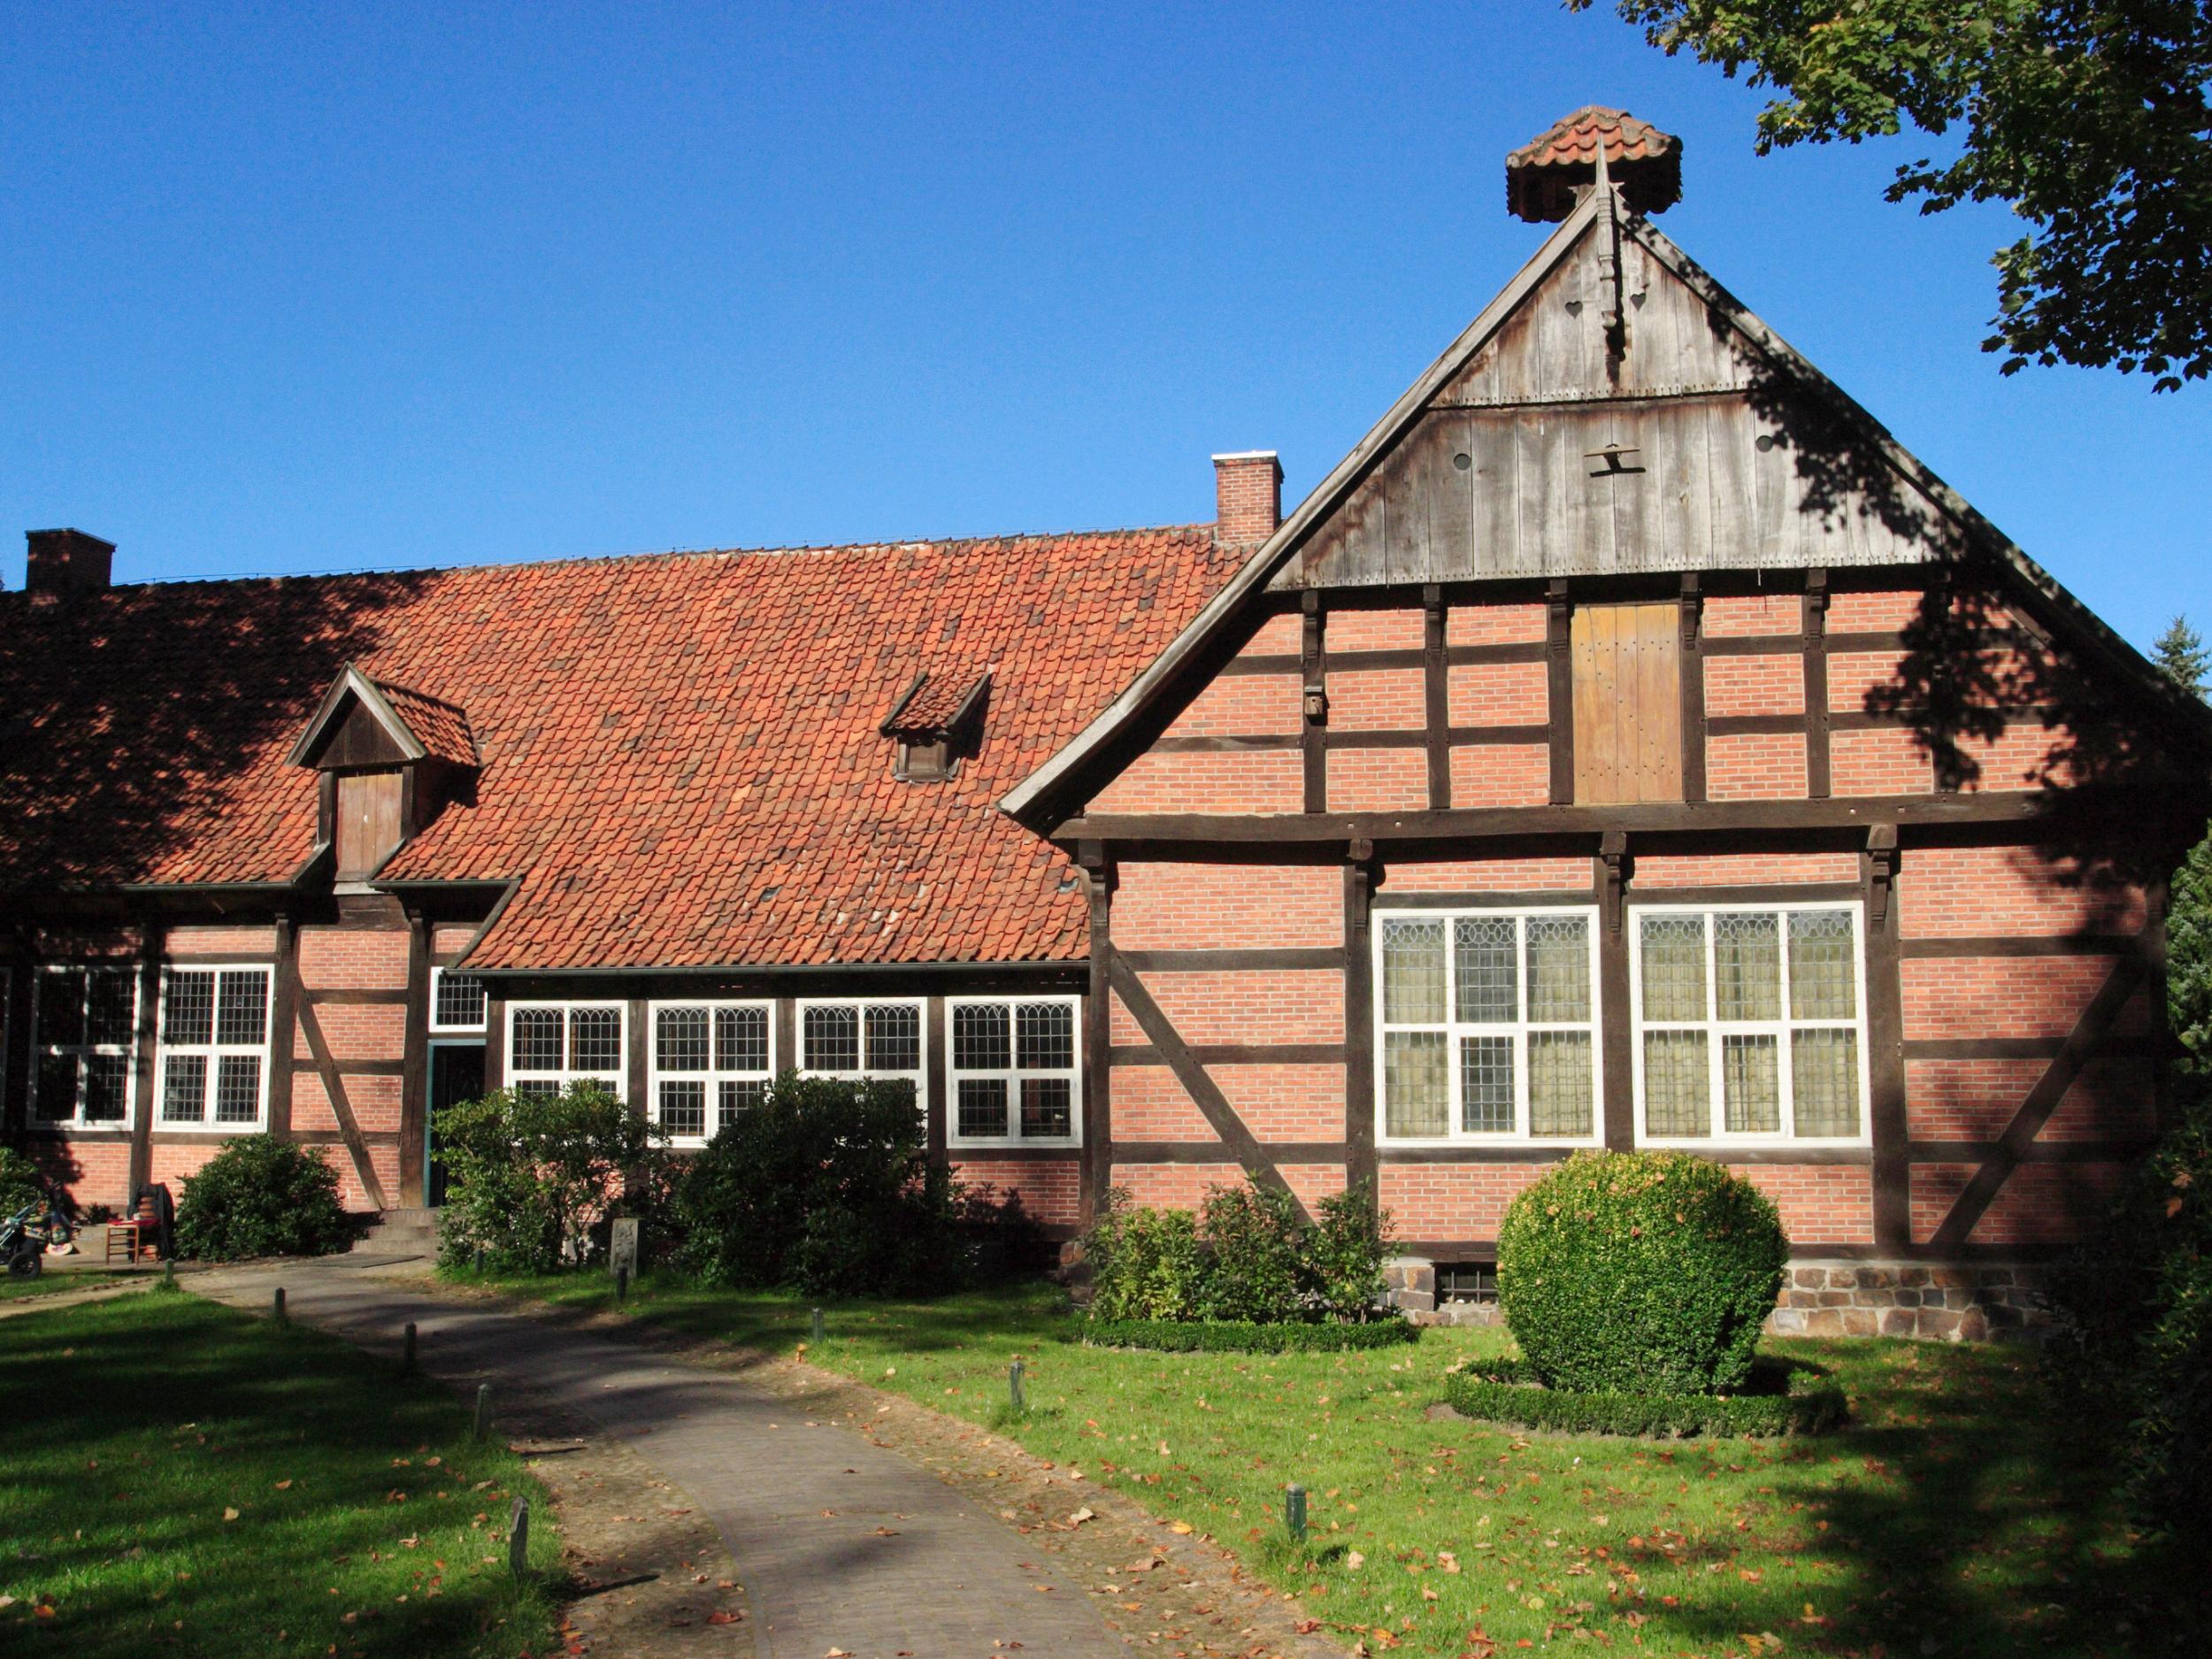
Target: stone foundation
1970,1303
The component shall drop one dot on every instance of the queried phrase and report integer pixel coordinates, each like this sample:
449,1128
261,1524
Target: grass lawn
1954,1516
181,1479
50,1282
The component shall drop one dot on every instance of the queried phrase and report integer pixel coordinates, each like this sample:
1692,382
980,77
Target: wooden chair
136,1238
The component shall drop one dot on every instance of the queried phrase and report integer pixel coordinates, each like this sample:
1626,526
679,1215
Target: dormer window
390,758
935,724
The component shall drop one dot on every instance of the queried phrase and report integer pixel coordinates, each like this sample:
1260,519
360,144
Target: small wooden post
407,1350
1014,1385
817,1327
621,1285
483,1411
1294,1511
277,1308
518,1538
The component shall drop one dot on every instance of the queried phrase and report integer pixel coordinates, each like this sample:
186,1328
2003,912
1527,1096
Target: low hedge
1507,1391
1241,1336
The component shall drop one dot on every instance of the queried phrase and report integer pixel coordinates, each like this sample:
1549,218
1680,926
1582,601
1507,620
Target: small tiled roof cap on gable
1645,163
681,763
440,726
937,701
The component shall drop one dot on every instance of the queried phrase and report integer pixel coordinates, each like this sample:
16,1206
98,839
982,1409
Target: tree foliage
2180,652
531,1178
261,1196
2087,116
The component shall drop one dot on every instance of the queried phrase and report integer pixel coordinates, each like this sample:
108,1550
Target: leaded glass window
1014,1077
84,1027
1749,1022
710,1062
1488,1025
552,1045
214,1058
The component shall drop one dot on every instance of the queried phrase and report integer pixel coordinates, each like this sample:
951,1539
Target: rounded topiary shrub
1640,1272
261,1196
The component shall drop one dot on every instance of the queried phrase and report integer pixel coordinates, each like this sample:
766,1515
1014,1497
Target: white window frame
919,1078
1455,1028
1718,1135
513,1077
437,978
1012,1073
216,1051
712,1077
77,1122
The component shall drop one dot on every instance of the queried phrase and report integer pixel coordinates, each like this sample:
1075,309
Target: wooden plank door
368,821
1627,673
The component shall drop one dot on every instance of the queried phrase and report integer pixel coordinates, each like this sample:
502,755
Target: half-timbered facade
1627,744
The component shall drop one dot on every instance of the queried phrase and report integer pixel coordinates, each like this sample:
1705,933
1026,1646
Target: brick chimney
64,564
1247,496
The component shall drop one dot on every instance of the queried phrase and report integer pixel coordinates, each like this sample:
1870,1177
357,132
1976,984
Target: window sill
1767,1151
83,1132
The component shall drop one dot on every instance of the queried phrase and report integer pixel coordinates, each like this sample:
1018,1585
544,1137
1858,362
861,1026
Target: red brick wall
1048,1189
1209,906
1753,685
1459,1201
1741,870
1397,630
1312,1182
1885,611
1378,780
1281,634
1966,891
1242,705
1494,625
1482,875
1883,760
1174,1186
183,942
1150,1105
2040,1203
1974,1100
1853,675
337,958
2005,997
1278,1104
1499,775
1377,700
1270,780
1753,613
449,938
96,1172
1764,766
1498,693
1821,1203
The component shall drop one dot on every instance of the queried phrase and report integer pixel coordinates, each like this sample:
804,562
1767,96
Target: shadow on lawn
1974,1519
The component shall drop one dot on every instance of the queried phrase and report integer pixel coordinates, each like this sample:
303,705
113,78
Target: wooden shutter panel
1627,664
368,821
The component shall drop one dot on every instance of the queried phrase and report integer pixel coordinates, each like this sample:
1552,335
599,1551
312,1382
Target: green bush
1216,1336
1640,1272
1245,1257
2133,1344
261,1196
1253,1236
1145,1264
1509,1391
826,1186
20,1182
531,1179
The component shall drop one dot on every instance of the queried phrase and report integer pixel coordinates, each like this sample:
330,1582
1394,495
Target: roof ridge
893,545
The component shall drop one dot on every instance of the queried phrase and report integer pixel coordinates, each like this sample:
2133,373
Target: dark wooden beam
284,1000
1692,659
1314,695
936,1092
1212,1053
1814,614
1095,1174
1236,1137
152,938
1886,1123
1359,1021
1559,687
1286,958
1436,698
414,1086
1617,1037
1215,1152
2023,945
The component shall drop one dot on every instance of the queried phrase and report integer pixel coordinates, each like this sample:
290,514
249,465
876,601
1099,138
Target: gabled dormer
936,723
390,758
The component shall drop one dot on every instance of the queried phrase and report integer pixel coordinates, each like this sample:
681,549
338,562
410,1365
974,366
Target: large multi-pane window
550,1045
1750,1024
711,1061
863,1038
457,1001
1488,1024
1014,1077
84,1023
214,1063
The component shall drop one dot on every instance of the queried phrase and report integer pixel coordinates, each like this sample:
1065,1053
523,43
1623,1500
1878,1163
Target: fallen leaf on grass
1081,1515
718,1617
1181,1527
230,1515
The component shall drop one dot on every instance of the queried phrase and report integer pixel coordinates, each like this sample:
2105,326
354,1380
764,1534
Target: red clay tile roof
437,724
932,705
681,763
1645,162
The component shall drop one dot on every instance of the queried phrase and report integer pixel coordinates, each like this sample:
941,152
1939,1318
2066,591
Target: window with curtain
1487,1024
1750,1024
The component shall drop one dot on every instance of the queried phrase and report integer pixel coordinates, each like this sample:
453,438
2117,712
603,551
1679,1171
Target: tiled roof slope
437,724
680,759
942,694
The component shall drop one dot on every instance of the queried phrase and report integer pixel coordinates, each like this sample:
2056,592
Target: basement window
1016,1079
84,1028
711,1061
1467,1281
1750,1024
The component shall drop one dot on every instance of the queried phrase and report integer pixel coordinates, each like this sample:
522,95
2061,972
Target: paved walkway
843,1545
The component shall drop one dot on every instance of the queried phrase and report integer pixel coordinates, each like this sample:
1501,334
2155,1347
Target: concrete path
843,1545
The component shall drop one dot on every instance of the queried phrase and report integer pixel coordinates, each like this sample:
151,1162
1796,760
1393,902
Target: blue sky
297,288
